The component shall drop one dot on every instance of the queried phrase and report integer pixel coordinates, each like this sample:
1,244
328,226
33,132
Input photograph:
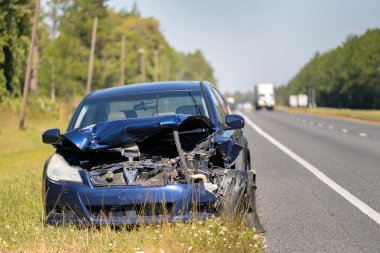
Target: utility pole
34,69
313,98
142,65
91,63
29,65
156,52
122,60
53,16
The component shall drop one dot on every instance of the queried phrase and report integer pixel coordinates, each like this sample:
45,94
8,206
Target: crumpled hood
116,134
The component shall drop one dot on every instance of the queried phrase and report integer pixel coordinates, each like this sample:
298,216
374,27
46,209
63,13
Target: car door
234,135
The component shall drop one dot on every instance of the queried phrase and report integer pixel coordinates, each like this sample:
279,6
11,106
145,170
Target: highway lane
300,212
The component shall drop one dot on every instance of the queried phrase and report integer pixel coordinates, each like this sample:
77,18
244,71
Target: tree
348,76
64,57
70,50
15,26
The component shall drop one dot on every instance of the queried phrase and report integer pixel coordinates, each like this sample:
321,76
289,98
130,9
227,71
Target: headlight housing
59,170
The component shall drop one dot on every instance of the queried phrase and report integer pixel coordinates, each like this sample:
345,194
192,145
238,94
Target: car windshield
140,105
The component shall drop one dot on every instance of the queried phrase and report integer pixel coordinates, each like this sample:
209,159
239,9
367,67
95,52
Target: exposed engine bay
173,149
158,170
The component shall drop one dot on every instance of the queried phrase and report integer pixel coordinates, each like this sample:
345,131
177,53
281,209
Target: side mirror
51,136
234,121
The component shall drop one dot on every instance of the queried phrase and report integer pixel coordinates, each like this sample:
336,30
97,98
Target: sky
253,41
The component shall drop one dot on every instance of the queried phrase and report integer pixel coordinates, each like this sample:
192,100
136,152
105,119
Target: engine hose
199,176
184,166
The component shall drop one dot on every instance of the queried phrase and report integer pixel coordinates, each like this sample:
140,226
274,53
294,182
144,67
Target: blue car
152,152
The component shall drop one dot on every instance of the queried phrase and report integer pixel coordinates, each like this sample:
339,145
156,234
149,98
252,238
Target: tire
238,197
233,188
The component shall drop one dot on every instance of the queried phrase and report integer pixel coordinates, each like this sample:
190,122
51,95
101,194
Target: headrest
116,116
130,114
190,110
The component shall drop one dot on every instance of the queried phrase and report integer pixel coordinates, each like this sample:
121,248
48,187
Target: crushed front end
132,171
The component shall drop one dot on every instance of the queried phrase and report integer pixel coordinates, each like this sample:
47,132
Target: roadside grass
22,155
364,115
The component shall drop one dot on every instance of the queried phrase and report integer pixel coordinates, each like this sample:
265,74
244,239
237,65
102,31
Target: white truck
264,96
302,100
293,101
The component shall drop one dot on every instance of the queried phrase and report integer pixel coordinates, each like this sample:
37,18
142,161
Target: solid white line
344,130
363,135
331,127
319,174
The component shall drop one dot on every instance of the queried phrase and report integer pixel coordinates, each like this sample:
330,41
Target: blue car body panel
114,134
79,199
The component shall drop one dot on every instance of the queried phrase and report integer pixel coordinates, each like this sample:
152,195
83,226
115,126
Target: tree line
345,77
64,43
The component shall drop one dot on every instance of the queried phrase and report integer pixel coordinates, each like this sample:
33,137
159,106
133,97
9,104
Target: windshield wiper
196,104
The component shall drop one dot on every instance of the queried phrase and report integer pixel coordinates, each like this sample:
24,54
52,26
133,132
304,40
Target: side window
219,107
222,101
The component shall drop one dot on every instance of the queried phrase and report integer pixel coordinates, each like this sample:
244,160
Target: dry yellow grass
364,115
22,155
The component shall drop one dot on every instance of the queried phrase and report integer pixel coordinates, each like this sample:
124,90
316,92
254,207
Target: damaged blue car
152,152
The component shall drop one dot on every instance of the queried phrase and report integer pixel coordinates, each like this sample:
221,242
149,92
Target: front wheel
238,197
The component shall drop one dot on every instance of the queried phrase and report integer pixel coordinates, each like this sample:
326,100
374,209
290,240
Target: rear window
141,105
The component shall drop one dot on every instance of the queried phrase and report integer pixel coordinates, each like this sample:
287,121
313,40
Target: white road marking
320,124
363,134
371,213
344,130
303,121
331,127
311,123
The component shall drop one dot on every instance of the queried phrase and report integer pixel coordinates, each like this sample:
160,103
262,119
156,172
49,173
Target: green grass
365,115
22,156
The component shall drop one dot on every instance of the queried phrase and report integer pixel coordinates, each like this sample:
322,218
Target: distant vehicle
264,96
247,106
302,100
231,102
293,101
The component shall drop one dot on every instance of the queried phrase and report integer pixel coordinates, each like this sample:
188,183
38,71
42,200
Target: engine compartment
156,166
157,151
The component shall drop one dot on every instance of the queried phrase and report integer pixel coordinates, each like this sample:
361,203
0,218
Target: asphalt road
300,212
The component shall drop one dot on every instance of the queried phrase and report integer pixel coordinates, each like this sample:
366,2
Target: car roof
146,87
